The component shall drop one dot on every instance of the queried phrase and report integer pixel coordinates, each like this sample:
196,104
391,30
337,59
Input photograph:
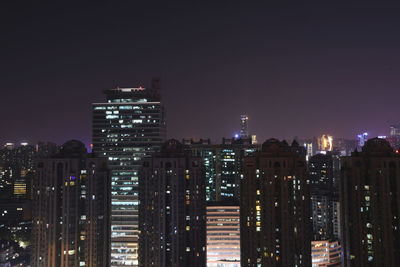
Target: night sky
294,69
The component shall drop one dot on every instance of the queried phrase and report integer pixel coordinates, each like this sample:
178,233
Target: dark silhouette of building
275,212
127,127
71,212
172,209
370,203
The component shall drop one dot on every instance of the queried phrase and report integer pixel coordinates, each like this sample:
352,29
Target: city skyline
295,70
199,134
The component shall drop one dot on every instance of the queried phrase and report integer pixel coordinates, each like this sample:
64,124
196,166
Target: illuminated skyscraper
129,126
325,143
172,209
362,139
243,126
275,224
370,203
71,211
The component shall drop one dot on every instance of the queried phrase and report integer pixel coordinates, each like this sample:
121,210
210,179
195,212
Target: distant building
16,162
14,212
275,209
172,215
362,139
344,146
326,254
370,197
127,127
325,143
71,213
223,234
395,130
243,126
394,136
223,165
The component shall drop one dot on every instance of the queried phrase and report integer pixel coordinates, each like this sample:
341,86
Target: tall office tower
275,223
71,225
128,127
172,209
223,164
243,126
324,172
370,203
326,254
223,234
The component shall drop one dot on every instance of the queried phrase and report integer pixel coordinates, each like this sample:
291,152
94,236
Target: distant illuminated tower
362,139
325,143
243,126
395,130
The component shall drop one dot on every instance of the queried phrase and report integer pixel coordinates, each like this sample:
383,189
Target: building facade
370,205
223,165
275,209
326,254
223,234
172,209
324,170
126,128
71,211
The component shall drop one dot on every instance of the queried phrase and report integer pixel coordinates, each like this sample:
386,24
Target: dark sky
295,69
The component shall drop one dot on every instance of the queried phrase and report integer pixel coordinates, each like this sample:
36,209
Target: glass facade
128,127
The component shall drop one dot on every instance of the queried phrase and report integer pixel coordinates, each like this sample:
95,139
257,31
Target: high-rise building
326,254
128,127
223,234
243,126
394,130
394,137
362,139
223,165
370,197
172,209
275,210
71,211
324,172
325,143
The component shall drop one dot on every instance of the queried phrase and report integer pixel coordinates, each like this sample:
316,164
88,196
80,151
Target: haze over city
295,70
